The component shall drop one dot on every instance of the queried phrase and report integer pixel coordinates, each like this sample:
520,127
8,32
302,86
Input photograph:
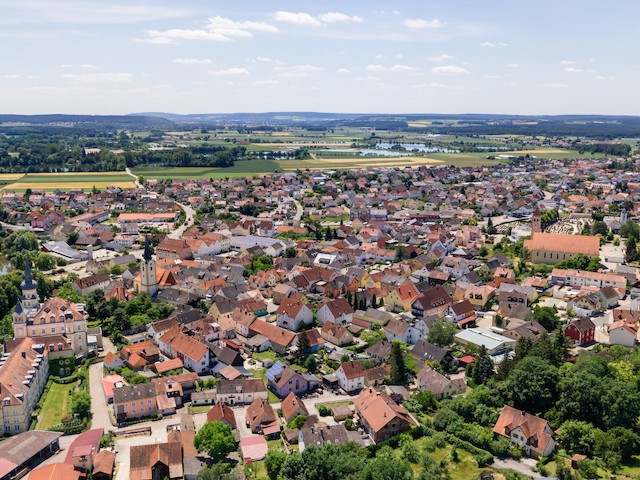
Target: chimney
24,354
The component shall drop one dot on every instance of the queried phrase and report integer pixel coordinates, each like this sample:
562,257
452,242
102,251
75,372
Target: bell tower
536,222
148,280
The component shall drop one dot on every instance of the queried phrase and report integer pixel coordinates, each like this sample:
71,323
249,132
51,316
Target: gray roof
20,448
133,392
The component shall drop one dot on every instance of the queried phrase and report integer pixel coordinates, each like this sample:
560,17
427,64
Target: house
134,401
278,339
424,351
156,461
292,407
194,354
281,292
380,416
57,471
401,298
86,285
240,391
336,334
376,375
293,314
220,412
319,434
379,351
350,376
337,311
261,418
522,429
460,310
398,329
581,331
26,450
253,448
433,298
284,380
622,333
438,384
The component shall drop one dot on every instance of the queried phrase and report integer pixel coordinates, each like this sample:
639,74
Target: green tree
304,345
217,471
291,252
409,448
442,332
630,230
532,385
547,317
81,404
483,368
273,462
216,439
631,253
72,238
399,373
386,466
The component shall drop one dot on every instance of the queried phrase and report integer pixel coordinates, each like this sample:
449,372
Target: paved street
523,467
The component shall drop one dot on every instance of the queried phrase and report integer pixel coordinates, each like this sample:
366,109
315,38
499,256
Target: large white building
54,318
147,280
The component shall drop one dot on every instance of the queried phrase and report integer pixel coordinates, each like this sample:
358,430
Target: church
552,248
147,280
54,319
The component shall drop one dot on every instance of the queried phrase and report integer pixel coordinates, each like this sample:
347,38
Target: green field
56,405
71,180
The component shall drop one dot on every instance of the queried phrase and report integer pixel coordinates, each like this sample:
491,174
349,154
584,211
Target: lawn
465,469
56,405
72,180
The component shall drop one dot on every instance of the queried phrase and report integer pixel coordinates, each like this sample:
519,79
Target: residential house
581,331
292,407
284,380
240,391
401,298
380,416
292,315
336,334
220,412
193,353
527,431
398,329
350,376
156,461
337,311
438,384
622,333
261,418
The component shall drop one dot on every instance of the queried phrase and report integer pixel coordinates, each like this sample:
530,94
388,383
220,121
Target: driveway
523,466
100,409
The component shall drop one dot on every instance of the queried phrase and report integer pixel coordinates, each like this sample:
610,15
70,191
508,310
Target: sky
422,56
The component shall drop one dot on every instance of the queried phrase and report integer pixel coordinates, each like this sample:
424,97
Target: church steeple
28,282
147,250
29,289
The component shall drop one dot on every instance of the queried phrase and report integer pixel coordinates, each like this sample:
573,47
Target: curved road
299,211
135,177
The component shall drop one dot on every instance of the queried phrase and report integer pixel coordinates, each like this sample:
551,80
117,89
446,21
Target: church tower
148,280
536,222
29,303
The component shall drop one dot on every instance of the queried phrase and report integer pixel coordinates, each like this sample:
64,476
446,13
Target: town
485,315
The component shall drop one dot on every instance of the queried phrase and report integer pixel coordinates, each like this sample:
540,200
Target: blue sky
197,56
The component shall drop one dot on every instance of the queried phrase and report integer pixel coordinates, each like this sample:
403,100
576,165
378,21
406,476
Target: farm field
71,180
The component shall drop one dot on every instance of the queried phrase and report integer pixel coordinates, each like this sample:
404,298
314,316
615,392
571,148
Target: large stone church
55,317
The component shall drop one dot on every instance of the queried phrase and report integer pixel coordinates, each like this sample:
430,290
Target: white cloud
567,62
394,68
450,70
554,85
193,61
263,59
600,78
98,77
266,83
368,78
307,20
439,58
217,29
343,71
419,23
579,70
430,85
489,44
338,17
513,65
232,28
88,66
12,76
299,71
303,19
229,72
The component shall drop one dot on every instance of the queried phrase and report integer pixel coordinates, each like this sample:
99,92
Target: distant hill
268,117
61,120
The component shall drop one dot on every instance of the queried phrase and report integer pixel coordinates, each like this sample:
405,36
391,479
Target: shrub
324,411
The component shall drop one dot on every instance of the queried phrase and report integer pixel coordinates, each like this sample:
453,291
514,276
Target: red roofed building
380,416
526,430
222,413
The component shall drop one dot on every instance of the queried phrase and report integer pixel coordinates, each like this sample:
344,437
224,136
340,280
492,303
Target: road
299,211
190,214
135,177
